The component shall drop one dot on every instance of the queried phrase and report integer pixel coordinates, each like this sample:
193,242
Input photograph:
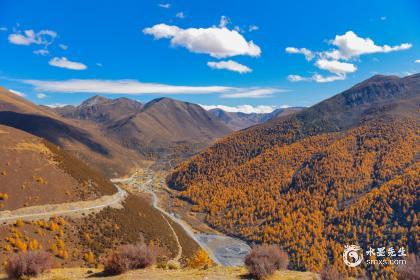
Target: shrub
410,270
172,264
329,273
28,264
130,257
199,260
264,260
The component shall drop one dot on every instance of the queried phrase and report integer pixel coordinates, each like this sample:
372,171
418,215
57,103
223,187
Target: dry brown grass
213,273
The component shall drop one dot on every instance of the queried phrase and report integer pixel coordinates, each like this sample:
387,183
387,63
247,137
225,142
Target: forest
312,193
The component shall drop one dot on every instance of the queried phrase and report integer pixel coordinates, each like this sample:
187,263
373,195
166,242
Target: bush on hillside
264,260
28,264
130,257
200,260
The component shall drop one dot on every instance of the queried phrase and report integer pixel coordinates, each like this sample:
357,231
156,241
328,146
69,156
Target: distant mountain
101,109
239,120
166,124
161,127
82,137
344,171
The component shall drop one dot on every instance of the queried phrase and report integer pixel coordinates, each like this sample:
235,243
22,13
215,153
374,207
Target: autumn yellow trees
311,194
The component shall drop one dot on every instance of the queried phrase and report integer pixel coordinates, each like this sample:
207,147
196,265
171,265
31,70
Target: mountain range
344,171
239,120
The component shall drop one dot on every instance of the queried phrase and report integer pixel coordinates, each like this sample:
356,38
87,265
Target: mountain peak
97,99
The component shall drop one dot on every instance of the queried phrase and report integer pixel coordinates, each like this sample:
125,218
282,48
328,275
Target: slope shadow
49,129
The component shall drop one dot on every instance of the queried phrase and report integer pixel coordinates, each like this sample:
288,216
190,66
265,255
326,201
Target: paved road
222,249
63,209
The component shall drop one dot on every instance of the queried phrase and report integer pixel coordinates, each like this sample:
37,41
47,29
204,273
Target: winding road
223,250
63,209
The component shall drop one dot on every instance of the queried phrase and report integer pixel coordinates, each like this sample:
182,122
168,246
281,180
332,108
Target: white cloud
224,21
41,95
18,93
63,62
218,42
180,15
42,52
383,17
326,79
56,105
63,47
252,28
230,65
297,78
3,29
417,61
335,66
28,37
121,87
247,109
99,64
350,45
317,78
253,93
309,55
136,88
165,5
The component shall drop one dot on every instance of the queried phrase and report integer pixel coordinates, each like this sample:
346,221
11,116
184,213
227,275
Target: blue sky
231,53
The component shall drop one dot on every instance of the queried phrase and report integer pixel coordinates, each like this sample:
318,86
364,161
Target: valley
224,250
208,185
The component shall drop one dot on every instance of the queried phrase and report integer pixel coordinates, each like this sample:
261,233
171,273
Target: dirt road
224,250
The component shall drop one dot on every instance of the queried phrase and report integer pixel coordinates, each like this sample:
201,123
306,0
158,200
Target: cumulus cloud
247,109
326,79
335,66
63,62
42,52
28,37
230,65
348,46
41,95
309,55
18,93
218,42
165,5
417,61
180,15
135,87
